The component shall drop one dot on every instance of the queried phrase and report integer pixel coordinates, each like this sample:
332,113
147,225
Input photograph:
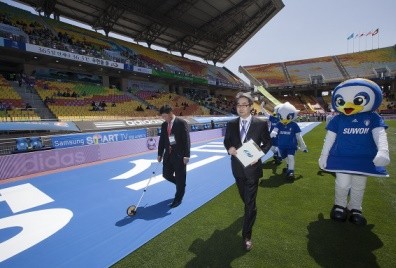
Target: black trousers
247,188
175,171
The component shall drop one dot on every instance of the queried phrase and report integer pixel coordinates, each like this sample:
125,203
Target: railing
19,114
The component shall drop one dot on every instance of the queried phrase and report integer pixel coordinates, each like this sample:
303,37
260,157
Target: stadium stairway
30,96
341,68
139,99
286,72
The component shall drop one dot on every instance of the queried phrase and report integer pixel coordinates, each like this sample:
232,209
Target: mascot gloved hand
288,135
355,146
303,148
273,134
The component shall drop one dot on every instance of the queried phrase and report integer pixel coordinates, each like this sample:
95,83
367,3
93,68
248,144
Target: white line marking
140,165
23,197
209,148
156,179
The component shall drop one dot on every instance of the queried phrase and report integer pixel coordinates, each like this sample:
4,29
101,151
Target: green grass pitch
293,228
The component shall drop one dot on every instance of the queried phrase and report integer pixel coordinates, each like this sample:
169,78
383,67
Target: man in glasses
238,131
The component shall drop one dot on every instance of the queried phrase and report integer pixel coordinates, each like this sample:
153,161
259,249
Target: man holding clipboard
247,172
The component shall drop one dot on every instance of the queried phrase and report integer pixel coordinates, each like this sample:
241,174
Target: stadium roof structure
211,30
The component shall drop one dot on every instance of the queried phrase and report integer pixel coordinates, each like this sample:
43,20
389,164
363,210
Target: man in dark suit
174,148
238,131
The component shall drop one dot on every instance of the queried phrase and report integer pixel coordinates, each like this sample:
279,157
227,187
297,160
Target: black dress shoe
175,204
247,244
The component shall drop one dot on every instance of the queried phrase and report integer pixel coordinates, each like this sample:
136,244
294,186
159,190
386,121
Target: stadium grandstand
308,83
54,71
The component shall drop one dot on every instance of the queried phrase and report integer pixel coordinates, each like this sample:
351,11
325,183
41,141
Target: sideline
31,176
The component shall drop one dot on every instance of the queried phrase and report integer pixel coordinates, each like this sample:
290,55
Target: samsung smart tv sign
65,141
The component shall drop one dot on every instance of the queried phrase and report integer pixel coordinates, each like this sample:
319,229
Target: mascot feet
356,217
289,174
338,213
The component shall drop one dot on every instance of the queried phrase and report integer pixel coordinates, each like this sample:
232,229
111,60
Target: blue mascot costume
355,146
273,120
288,135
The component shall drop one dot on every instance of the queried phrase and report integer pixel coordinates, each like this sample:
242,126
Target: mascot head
276,108
356,96
287,113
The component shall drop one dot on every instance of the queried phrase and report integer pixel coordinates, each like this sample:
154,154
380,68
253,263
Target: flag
375,32
351,36
369,33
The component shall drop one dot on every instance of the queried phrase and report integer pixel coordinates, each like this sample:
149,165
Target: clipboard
249,152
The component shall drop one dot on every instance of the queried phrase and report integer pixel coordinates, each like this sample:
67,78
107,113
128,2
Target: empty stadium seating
301,71
12,107
364,64
65,107
270,75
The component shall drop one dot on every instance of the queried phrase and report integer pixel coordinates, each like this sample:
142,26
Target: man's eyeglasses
242,105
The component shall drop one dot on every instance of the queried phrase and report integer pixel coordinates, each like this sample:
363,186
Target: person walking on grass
238,131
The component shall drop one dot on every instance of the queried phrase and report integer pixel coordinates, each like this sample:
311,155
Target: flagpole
349,37
347,45
360,35
353,45
376,32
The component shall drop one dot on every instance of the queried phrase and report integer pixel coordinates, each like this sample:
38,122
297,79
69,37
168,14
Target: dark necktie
169,128
243,130
169,133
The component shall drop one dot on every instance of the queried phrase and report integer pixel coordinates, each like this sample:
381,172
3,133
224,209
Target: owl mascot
355,146
288,135
273,120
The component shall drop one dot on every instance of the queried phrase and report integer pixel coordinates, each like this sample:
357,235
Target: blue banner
14,44
72,140
128,67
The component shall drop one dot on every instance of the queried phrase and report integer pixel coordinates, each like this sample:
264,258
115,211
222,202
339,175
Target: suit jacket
182,138
258,131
